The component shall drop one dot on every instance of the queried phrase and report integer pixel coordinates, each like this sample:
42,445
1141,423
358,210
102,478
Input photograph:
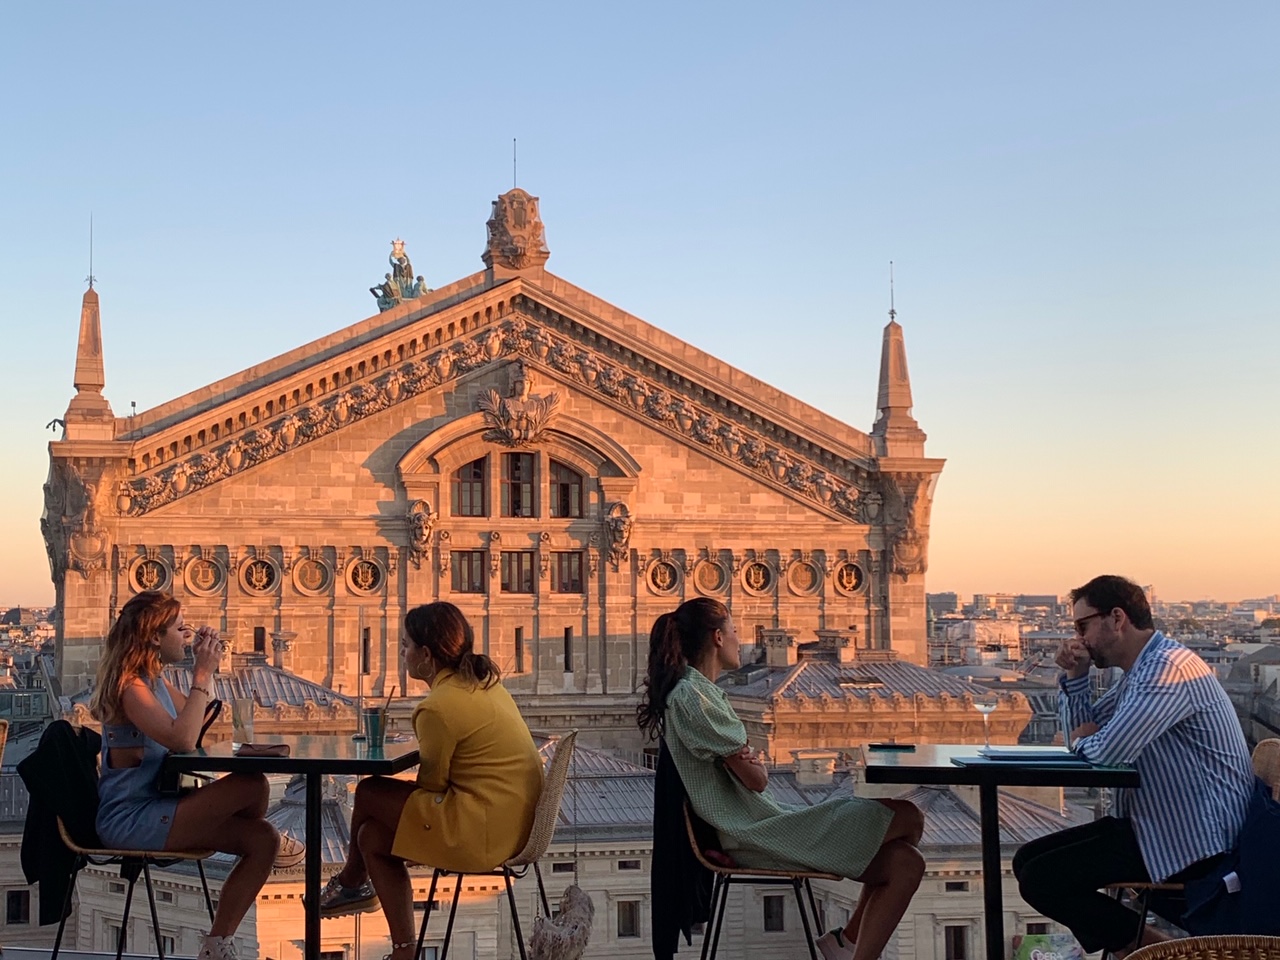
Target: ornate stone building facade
560,469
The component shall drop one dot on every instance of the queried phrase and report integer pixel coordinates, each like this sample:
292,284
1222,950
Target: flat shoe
290,853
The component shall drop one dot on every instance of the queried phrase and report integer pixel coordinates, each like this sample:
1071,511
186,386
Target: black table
314,757
931,764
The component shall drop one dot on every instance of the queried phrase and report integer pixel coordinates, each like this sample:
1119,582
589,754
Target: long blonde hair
130,652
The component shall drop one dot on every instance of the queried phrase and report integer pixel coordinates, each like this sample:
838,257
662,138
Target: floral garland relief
519,338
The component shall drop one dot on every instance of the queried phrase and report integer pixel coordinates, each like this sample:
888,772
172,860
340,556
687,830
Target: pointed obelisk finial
895,431
89,415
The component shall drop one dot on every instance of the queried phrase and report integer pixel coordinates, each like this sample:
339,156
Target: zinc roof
858,680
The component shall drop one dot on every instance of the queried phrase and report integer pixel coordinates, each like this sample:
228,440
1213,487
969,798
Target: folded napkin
263,750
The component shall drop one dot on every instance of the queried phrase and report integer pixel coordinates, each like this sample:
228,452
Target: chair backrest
696,844
1266,765
548,809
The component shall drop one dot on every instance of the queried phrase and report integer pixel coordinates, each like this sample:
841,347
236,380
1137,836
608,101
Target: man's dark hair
1108,591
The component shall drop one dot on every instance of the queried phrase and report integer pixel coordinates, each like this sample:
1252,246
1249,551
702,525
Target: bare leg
892,878
378,800
227,815
907,825
391,882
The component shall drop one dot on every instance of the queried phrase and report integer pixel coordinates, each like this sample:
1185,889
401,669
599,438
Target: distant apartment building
986,603
977,641
1036,601
940,604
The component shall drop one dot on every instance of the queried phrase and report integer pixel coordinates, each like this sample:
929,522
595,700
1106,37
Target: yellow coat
478,779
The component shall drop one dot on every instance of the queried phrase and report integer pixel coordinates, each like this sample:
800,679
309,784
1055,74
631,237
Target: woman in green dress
871,841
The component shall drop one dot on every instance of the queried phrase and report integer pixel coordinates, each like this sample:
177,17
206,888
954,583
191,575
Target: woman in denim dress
143,718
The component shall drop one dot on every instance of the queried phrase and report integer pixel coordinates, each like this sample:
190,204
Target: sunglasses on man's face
1082,624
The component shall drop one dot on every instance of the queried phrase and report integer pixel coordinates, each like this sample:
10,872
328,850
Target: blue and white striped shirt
1170,718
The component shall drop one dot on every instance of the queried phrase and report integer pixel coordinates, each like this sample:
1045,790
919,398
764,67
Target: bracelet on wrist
205,690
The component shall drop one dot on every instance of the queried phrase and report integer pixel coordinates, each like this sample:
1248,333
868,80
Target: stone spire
89,415
896,432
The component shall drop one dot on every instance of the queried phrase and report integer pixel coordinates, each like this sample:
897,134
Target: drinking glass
241,721
985,706
375,725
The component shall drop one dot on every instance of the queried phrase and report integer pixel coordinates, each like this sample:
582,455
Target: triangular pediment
561,333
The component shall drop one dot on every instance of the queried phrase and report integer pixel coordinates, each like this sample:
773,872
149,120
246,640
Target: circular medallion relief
259,575
205,576
365,576
710,577
148,573
312,577
757,578
804,578
663,577
849,578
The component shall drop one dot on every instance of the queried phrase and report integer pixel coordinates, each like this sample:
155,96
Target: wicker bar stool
726,877
545,816
132,862
1211,948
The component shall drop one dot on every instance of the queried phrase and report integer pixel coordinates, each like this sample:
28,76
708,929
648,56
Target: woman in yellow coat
479,778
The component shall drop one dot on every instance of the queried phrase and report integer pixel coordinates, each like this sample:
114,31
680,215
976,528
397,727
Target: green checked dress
839,835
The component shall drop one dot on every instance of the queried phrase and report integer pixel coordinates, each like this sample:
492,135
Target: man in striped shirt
1171,719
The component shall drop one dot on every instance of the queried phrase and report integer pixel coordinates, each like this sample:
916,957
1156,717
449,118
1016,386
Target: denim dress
131,813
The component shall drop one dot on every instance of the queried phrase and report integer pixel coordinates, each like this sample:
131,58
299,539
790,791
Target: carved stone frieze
519,419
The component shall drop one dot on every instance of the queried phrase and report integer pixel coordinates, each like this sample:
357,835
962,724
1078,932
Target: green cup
374,724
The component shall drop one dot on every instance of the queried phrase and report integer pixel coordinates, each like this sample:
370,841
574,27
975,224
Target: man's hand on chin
1073,658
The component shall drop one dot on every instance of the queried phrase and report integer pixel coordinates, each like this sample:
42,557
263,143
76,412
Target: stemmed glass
986,706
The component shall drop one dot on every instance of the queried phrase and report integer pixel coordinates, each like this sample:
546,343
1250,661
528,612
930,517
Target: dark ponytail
676,640
448,637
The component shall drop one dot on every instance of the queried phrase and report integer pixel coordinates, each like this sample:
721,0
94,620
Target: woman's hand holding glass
206,649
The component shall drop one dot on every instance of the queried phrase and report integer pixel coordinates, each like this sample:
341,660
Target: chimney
281,646
842,645
780,648
815,768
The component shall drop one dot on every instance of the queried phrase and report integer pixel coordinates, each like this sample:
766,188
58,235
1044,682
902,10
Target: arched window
566,490
468,498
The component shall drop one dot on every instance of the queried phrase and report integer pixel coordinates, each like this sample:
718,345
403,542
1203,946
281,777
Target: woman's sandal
290,853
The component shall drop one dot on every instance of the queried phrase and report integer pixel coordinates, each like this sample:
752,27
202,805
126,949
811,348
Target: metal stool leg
813,905
426,914
542,891
155,917
66,906
515,914
709,926
124,921
204,883
453,909
804,918
719,918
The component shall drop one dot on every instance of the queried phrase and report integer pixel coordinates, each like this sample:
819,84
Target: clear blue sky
1081,200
